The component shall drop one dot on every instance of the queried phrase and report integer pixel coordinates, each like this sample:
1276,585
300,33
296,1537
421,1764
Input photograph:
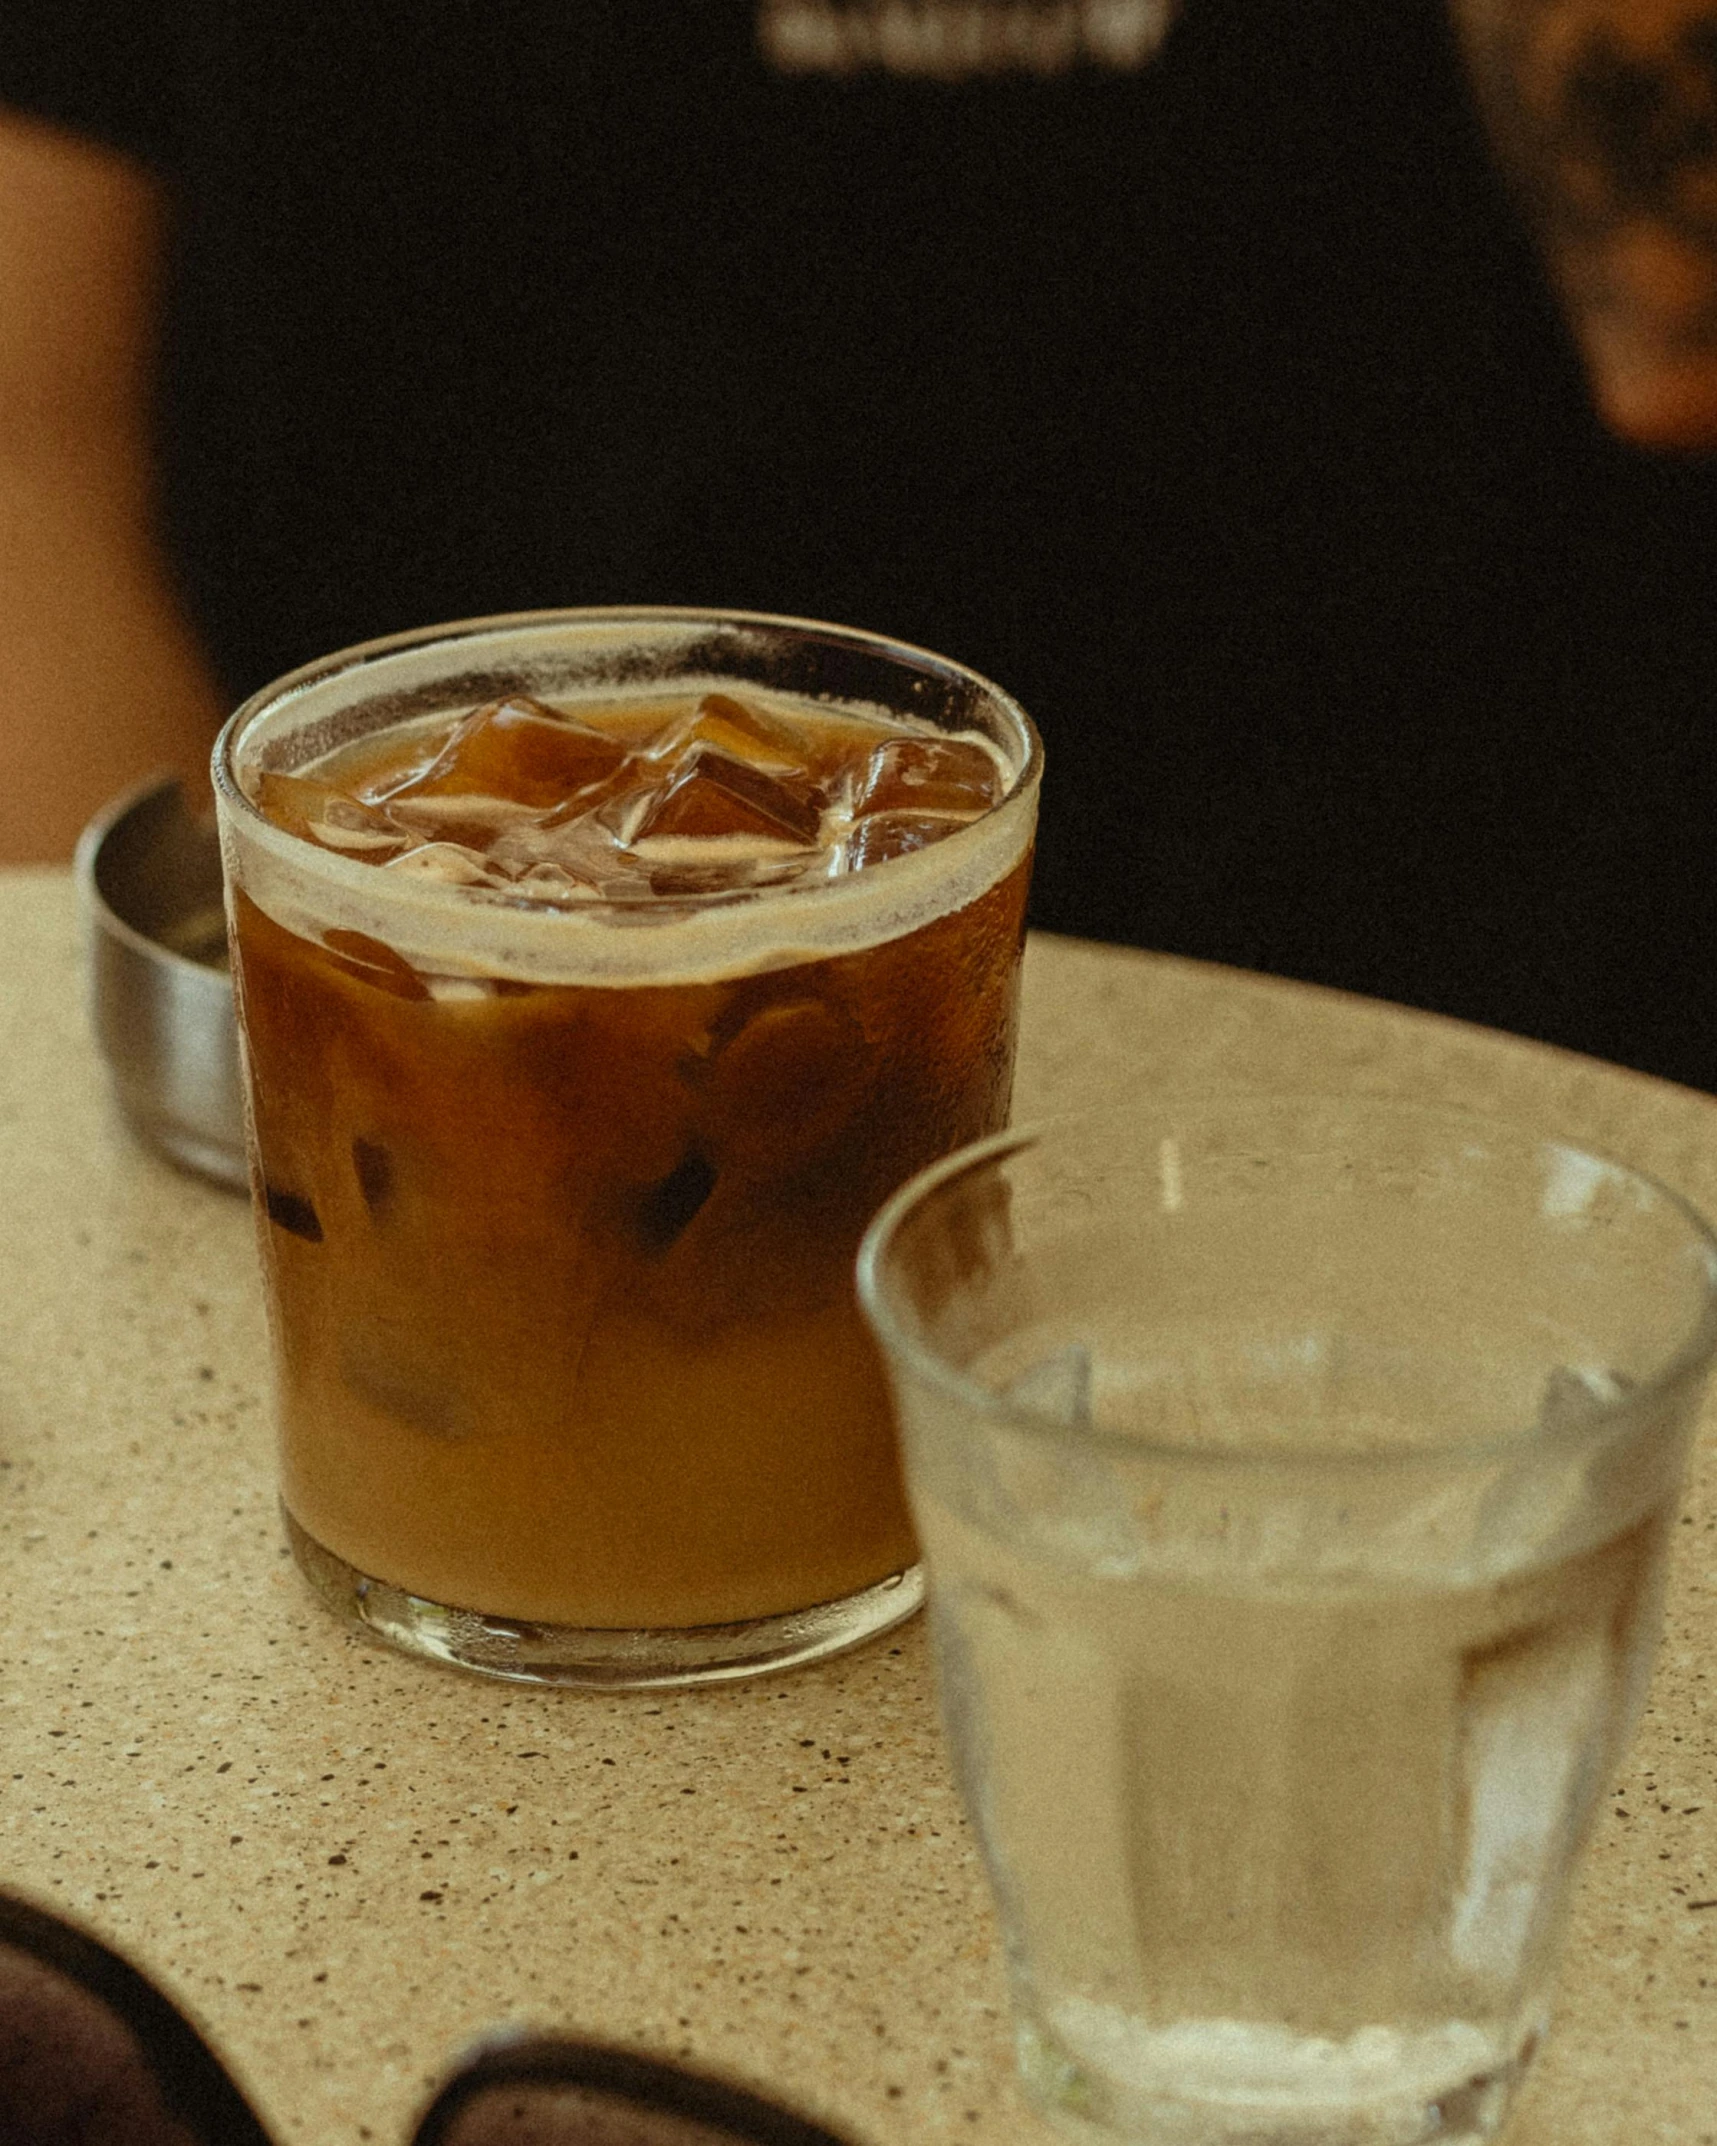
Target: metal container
149,873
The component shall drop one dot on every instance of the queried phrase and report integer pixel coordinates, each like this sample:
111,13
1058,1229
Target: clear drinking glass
1295,1481
562,1161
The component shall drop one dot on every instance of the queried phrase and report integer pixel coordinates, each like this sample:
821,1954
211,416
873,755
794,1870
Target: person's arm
100,679
1605,114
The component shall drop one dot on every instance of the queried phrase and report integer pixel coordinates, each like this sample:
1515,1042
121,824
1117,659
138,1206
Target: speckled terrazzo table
345,1866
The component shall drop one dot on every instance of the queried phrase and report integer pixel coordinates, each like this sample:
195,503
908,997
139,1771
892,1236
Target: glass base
1103,2105
601,1659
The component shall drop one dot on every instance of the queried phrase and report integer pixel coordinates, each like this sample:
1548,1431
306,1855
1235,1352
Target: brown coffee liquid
563,1274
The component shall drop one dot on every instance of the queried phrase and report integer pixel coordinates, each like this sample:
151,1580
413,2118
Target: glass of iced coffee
599,974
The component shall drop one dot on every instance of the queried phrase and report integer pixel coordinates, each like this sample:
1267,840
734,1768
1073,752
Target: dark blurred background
1220,411
1427,659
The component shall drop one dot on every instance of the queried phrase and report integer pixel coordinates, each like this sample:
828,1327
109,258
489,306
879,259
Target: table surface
346,1865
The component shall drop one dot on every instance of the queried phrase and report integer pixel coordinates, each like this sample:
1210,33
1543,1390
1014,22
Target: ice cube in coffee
588,1018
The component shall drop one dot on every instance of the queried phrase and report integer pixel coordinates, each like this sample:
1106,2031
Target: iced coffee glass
599,975
1296,1482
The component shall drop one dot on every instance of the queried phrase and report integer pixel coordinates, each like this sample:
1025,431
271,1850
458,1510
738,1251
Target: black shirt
1215,407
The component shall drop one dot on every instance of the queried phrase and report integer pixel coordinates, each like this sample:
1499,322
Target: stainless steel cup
161,1003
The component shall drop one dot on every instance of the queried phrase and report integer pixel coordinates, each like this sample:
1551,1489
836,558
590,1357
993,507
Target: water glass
1295,1481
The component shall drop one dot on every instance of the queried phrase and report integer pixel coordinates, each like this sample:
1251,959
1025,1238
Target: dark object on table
92,2053
149,873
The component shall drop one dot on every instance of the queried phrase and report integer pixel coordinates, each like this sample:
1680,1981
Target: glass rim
436,897
1690,1360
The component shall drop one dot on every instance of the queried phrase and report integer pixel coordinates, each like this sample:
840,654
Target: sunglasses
92,2054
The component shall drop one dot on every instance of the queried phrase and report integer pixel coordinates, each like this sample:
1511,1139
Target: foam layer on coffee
411,858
